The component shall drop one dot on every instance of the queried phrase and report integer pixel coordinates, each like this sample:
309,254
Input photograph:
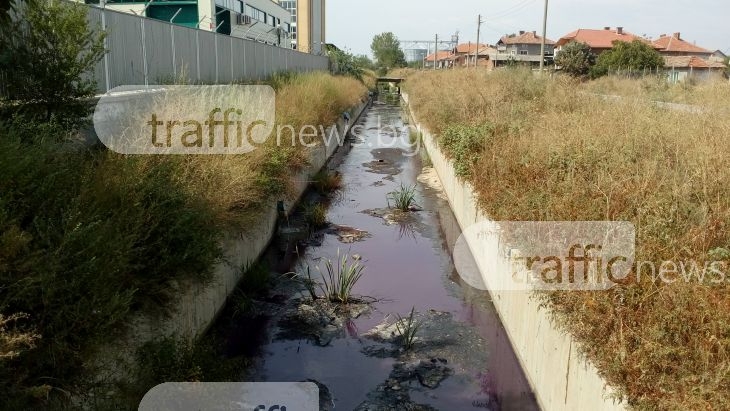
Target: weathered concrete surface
560,377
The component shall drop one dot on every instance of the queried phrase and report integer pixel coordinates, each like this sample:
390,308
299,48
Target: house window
513,52
523,52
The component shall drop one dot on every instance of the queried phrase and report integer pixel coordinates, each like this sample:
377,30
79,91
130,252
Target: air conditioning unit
243,19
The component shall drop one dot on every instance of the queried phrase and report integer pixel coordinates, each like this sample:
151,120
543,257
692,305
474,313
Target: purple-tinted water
407,265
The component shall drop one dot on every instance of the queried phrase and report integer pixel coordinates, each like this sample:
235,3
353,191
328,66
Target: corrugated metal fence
147,51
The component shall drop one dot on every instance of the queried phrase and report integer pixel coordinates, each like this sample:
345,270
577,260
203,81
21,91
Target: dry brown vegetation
543,149
706,93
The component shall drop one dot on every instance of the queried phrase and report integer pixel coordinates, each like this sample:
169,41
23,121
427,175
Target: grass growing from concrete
326,182
315,214
548,151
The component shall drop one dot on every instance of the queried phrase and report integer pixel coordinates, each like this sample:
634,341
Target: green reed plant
403,198
407,328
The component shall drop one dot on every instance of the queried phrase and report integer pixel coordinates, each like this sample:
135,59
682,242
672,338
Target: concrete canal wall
560,377
198,306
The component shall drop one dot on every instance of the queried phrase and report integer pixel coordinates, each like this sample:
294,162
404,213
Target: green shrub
465,144
87,238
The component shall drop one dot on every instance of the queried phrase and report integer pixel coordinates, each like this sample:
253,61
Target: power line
511,11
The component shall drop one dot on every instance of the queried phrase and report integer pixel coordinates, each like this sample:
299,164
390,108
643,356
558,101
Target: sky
351,25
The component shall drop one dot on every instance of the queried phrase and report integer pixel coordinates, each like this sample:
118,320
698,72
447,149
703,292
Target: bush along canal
359,294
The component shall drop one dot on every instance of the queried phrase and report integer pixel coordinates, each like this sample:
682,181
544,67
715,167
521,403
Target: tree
637,55
387,51
364,62
342,62
45,56
576,59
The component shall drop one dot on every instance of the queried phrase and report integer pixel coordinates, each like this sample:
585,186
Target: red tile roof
440,55
529,37
676,44
470,48
691,61
598,39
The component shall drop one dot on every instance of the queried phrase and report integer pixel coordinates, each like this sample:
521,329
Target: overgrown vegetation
90,237
315,214
635,56
175,359
555,153
326,182
403,197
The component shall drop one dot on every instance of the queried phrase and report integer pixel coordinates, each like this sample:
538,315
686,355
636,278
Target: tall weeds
88,237
552,152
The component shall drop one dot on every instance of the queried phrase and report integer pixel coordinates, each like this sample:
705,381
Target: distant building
415,55
524,48
674,45
442,59
680,68
308,24
466,53
718,56
598,40
260,20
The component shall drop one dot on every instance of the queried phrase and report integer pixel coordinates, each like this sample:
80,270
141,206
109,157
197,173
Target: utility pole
476,52
435,51
544,34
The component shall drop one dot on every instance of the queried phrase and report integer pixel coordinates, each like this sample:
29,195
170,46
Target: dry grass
404,72
234,187
711,93
551,152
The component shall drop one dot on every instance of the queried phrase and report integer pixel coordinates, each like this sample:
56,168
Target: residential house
523,47
598,40
442,59
465,55
718,56
674,45
680,68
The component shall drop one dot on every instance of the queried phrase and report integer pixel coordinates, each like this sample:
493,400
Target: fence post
144,52
172,41
107,81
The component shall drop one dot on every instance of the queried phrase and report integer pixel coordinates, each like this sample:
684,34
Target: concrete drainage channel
459,356
560,377
199,306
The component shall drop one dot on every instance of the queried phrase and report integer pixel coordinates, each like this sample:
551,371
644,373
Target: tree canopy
576,59
45,57
637,55
387,51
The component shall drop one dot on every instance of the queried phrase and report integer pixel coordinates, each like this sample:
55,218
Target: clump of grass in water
403,198
407,328
315,214
326,182
337,280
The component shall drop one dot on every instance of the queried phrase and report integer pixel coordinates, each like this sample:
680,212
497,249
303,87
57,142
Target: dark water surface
408,264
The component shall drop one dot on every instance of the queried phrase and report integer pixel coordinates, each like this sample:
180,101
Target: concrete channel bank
198,306
560,377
